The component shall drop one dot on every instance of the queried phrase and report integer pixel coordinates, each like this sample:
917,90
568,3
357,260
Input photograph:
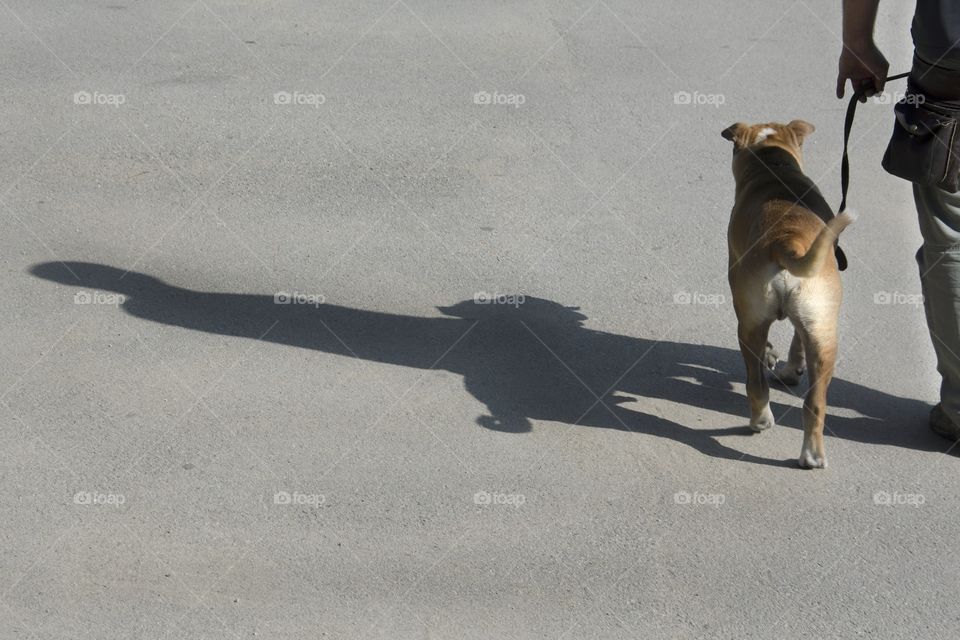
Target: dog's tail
804,265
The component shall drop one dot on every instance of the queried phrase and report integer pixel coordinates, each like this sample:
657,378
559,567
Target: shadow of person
524,359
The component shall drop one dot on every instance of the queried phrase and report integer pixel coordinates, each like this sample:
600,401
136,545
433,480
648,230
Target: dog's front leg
789,372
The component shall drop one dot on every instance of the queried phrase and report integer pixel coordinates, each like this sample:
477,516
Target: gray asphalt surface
185,456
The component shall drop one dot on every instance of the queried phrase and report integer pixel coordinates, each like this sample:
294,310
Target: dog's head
772,134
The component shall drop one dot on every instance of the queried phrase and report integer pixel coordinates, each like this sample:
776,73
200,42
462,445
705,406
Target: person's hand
865,67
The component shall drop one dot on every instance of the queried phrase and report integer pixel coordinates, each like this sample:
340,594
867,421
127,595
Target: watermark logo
895,499
497,98
98,297
101,99
512,299
696,498
297,498
702,299
699,99
897,298
96,498
485,498
295,297
299,98
891,97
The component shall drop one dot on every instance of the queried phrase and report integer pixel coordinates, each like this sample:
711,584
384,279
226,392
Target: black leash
847,126
845,162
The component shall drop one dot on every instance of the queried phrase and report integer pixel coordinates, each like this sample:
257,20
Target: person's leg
939,263
939,257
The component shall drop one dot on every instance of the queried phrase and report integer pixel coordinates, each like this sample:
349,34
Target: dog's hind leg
753,346
821,352
790,371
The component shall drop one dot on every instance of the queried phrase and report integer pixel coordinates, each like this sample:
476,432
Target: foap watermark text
698,99
299,98
700,499
296,297
496,98
298,498
98,297
99,99
896,499
510,299
485,498
898,298
891,97
97,498
702,299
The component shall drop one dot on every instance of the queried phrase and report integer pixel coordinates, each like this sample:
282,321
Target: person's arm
861,61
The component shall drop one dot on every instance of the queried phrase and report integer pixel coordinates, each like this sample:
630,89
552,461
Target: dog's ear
801,128
730,133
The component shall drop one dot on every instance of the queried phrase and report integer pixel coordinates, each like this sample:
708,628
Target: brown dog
781,240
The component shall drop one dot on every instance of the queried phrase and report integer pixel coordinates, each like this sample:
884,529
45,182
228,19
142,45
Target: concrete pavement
410,320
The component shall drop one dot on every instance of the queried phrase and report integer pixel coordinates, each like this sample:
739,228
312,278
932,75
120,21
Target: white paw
788,375
770,357
810,460
764,421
